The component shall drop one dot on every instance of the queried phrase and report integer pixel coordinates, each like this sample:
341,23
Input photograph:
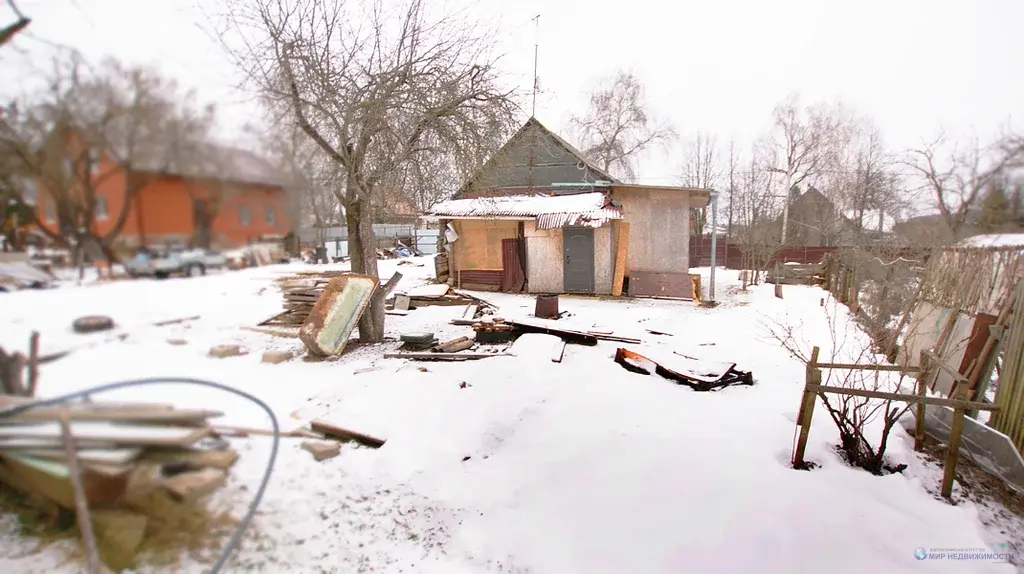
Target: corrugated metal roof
520,205
551,212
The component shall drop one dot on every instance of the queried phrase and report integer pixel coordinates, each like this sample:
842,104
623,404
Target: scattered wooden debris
115,452
493,330
454,345
332,430
300,292
275,357
321,449
225,351
694,373
432,356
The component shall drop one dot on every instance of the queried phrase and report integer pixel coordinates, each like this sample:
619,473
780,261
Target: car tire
92,324
161,275
195,270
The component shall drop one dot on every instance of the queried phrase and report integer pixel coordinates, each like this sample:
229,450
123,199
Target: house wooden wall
545,259
659,229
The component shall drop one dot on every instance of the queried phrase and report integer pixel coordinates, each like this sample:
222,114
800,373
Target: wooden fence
813,388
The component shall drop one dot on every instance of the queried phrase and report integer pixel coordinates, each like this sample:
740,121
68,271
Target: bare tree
803,143
20,23
955,181
618,126
701,168
756,209
109,128
376,86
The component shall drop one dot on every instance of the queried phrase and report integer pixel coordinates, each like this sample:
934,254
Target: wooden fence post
919,413
806,412
953,454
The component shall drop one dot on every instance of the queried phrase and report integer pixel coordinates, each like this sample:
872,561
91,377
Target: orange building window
243,215
49,211
269,215
100,211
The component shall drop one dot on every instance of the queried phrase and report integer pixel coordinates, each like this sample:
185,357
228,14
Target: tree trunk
353,213
371,324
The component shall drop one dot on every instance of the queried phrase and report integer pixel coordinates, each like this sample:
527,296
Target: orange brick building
245,201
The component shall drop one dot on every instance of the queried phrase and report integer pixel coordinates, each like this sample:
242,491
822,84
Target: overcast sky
716,65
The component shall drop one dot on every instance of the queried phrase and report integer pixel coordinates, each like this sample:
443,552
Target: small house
540,217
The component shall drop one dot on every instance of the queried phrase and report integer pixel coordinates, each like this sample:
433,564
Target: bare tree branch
618,126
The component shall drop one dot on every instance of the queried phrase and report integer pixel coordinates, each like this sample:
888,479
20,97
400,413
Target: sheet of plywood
676,285
621,250
107,432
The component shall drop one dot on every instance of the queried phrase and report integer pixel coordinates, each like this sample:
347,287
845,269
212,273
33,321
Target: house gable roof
522,139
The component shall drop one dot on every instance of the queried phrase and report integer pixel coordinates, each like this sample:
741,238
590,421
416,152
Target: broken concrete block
177,342
275,357
224,351
322,449
335,314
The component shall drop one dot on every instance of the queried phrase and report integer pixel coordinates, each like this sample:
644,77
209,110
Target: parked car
188,262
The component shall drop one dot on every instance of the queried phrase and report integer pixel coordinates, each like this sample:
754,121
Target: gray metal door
578,260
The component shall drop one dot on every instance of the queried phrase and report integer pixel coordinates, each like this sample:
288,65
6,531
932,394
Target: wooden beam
956,430
953,403
852,367
621,250
957,377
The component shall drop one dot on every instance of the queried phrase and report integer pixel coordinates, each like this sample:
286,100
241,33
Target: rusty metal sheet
491,277
512,268
677,285
336,313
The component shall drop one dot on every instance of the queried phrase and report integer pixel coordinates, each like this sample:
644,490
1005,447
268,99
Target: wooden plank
806,412
105,456
956,429
121,414
905,398
107,432
430,356
553,328
621,251
558,353
875,367
330,429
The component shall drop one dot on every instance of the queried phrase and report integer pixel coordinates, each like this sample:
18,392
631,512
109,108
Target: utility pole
536,51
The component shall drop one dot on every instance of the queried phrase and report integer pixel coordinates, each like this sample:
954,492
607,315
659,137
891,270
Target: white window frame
31,193
101,210
244,216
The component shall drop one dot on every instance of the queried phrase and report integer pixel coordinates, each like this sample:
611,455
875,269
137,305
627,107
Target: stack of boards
139,462
300,292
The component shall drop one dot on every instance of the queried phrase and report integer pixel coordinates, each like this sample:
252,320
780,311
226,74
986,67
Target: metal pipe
714,243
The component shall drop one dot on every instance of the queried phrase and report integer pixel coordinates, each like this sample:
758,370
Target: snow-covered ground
531,466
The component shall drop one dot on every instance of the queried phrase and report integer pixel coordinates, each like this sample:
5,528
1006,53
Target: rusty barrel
547,307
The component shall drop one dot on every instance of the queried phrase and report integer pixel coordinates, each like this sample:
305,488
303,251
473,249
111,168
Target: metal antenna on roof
536,50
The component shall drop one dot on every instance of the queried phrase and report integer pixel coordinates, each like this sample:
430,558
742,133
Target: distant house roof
550,212
533,124
221,163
